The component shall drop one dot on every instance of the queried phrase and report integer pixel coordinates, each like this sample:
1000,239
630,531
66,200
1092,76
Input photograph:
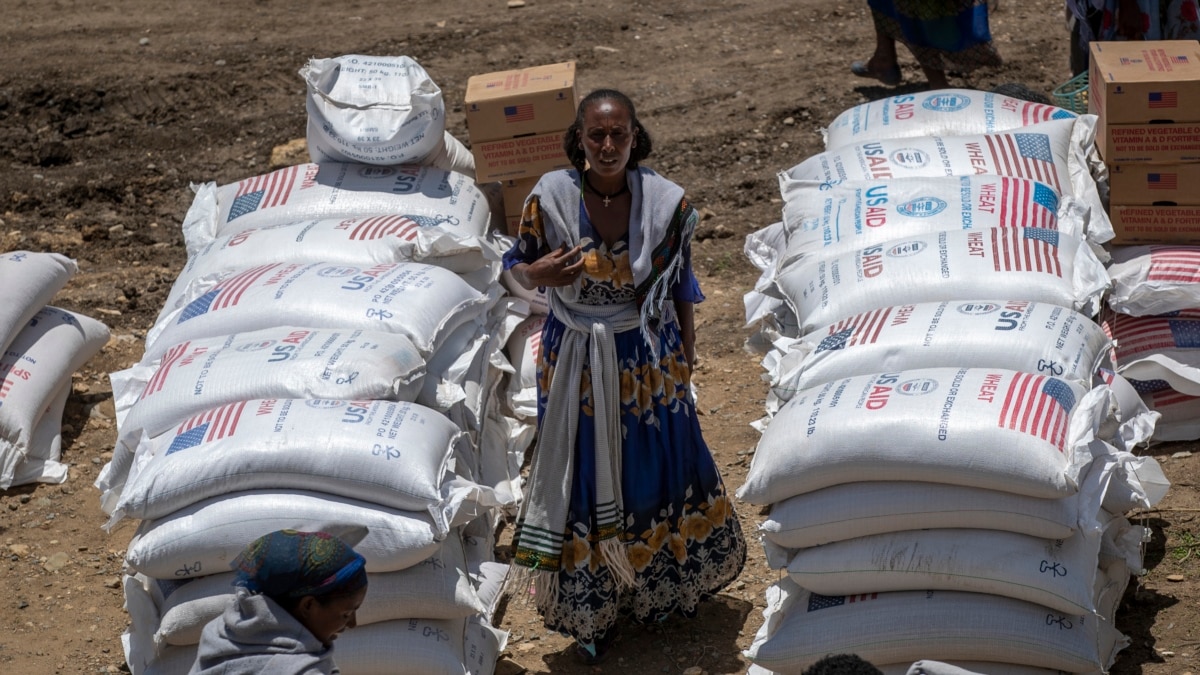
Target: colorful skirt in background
944,35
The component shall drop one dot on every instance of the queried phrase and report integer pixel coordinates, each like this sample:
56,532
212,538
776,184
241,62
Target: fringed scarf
660,222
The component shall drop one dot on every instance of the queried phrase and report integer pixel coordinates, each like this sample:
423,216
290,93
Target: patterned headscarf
291,564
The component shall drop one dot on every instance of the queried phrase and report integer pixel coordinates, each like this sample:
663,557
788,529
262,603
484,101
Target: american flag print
265,191
1178,264
1139,335
817,601
207,427
856,330
1169,398
164,368
1179,58
225,294
378,227
1028,203
1024,155
1162,181
1026,249
1039,406
1162,99
522,112
1032,113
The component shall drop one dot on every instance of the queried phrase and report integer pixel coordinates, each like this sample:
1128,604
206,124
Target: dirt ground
109,109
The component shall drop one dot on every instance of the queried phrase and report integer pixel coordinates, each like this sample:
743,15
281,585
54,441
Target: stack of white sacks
328,358
1153,316
946,468
40,348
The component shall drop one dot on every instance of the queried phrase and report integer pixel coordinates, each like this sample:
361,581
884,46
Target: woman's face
607,137
326,619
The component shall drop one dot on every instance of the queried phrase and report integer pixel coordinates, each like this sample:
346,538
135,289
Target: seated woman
296,592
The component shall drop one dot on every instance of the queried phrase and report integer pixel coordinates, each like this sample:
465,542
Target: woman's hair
287,565
574,134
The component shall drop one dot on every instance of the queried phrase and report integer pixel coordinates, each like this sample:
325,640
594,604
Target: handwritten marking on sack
388,452
189,570
1063,623
1055,569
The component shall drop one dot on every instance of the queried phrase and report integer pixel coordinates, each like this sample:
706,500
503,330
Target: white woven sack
202,538
987,428
404,647
801,627
1148,280
1156,352
538,304
524,349
277,362
942,112
29,281
822,219
339,190
1027,263
927,667
40,358
1054,152
1014,334
360,242
392,454
435,588
850,510
41,463
420,301
421,647
1055,573
141,603
1180,415
382,110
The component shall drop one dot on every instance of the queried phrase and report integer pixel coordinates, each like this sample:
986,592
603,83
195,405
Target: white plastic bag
987,428
383,110
1021,263
942,112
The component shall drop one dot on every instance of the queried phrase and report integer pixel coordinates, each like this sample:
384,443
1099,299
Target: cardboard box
514,193
1149,143
515,103
1139,82
1149,184
1155,224
521,157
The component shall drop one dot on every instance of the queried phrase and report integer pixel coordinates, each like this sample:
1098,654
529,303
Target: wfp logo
375,171
917,387
946,102
910,158
324,403
977,308
906,249
336,272
922,207
255,346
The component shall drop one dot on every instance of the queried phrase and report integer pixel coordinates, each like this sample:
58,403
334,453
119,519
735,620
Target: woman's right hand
560,267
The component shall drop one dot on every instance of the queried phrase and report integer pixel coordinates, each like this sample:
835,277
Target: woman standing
942,35
626,513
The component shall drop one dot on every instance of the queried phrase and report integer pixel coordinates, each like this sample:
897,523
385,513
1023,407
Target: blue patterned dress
681,533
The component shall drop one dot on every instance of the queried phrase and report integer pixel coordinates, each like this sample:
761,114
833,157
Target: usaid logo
337,272
922,207
376,171
324,403
255,346
906,249
977,308
946,102
917,387
910,158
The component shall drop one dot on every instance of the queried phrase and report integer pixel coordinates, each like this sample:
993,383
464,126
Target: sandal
891,77
595,653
